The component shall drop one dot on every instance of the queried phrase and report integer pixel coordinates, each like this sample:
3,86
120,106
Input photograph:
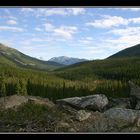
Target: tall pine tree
2,86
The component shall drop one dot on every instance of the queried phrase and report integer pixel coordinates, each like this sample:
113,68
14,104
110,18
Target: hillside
66,60
13,57
122,68
133,51
109,77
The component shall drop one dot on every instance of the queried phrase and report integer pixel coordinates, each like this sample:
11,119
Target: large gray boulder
122,117
93,102
116,120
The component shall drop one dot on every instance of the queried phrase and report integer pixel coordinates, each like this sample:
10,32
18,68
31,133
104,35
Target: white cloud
76,11
11,22
127,37
53,11
48,27
131,9
134,20
86,40
108,22
126,31
65,31
9,28
38,29
27,10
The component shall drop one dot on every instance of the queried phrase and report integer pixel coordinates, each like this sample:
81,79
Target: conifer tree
21,88
2,86
18,88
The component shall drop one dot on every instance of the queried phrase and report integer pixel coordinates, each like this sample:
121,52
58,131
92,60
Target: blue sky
91,33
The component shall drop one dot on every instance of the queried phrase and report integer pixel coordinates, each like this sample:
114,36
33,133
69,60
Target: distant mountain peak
65,60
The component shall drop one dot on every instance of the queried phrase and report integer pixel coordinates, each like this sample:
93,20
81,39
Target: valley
26,76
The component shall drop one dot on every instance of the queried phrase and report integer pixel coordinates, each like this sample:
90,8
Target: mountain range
66,60
13,57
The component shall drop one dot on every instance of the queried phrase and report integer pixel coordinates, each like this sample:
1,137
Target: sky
91,33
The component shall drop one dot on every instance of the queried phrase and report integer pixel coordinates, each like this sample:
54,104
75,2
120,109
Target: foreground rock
116,120
122,117
93,102
12,101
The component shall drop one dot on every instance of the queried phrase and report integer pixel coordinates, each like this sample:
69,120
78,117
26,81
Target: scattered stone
71,130
62,126
93,102
82,115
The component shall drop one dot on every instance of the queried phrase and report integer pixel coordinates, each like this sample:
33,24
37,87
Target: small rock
21,130
82,115
62,127
64,124
71,130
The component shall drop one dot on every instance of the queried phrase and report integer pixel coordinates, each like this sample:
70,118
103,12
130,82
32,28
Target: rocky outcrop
17,100
41,101
93,102
95,113
12,101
